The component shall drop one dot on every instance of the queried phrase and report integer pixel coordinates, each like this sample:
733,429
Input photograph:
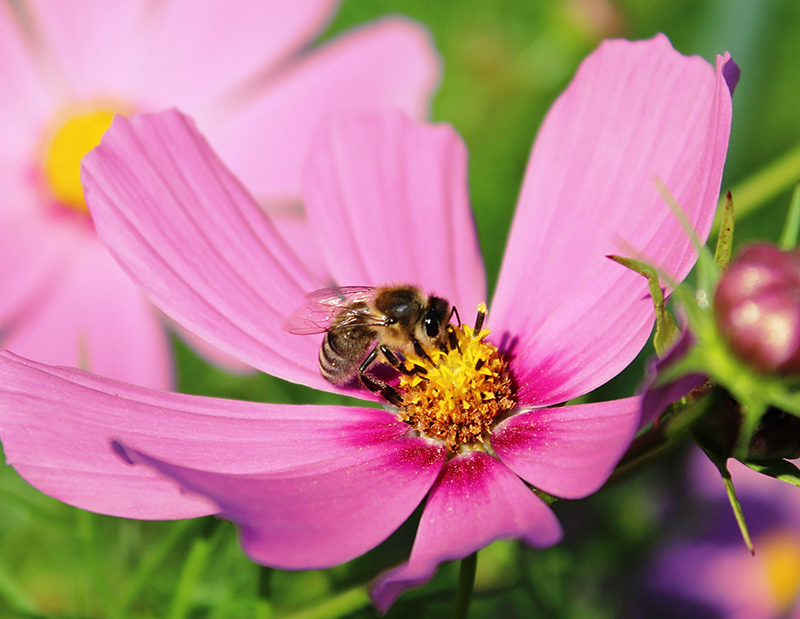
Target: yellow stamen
70,142
461,393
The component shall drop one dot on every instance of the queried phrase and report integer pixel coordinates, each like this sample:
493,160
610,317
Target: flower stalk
466,583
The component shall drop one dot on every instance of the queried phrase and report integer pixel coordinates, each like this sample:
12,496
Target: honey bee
362,323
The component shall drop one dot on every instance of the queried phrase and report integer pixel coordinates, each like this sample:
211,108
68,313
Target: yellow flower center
459,392
781,555
79,134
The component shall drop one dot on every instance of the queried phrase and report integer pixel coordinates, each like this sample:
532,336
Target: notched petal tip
634,111
730,71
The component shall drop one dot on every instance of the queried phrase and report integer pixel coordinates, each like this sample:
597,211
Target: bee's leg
393,360
389,393
421,351
368,361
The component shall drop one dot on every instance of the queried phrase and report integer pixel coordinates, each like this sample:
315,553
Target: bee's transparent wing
326,304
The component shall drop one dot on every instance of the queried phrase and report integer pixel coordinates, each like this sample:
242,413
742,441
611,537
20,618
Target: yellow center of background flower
781,554
62,163
461,391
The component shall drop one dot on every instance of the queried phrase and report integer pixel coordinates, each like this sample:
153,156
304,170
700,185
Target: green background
504,63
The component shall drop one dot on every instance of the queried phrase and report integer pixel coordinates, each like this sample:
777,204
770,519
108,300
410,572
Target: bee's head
437,313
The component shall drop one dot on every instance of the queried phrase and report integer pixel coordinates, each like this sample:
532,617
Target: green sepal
721,463
667,331
779,469
722,255
548,499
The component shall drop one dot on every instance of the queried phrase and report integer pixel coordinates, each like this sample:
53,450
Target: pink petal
35,252
390,63
201,48
475,501
567,451
321,514
94,45
57,424
198,246
24,104
634,112
92,316
294,228
394,192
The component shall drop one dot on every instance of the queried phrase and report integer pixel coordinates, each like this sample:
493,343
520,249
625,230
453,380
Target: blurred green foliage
504,63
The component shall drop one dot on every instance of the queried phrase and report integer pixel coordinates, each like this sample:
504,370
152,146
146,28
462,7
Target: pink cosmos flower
246,76
314,486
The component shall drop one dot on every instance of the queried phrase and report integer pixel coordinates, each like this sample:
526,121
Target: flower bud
777,434
757,307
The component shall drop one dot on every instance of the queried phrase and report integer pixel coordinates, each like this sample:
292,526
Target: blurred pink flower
245,74
313,486
713,573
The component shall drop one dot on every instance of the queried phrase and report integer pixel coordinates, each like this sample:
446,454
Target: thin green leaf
759,188
779,469
737,511
339,605
707,271
722,467
792,226
667,331
722,255
13,594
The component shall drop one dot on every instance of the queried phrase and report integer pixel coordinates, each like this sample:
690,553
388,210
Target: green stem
264,581
192,570
97,585
338,606
765,184
152,561
466,582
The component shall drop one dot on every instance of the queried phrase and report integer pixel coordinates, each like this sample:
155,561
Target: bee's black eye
431,323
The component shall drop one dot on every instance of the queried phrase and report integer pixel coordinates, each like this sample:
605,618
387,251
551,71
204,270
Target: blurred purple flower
713,574
244,73
313,486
